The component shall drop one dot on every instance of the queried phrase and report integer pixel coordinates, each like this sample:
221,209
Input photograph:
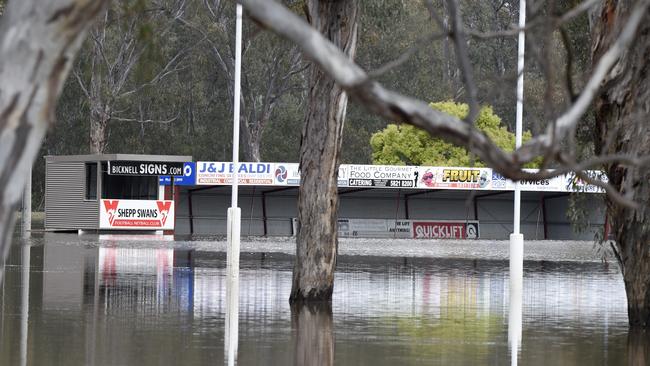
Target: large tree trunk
622,114
316,243
38,42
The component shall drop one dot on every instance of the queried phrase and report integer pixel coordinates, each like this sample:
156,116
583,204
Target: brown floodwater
124,302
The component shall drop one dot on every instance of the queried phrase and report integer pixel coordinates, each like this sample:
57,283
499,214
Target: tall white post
231,338
516,238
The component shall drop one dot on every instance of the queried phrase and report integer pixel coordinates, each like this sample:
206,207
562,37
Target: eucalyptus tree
622,134
111,73
271,69
322,135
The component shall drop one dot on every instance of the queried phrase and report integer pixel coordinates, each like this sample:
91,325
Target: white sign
417,229
561,183
286,174
136,214
554,184
380,176
220,173
453,178
573,183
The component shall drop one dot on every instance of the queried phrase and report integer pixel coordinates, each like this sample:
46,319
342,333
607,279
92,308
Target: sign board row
378,176
136,214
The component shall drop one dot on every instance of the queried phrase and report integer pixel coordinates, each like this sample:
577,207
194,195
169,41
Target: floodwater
69,300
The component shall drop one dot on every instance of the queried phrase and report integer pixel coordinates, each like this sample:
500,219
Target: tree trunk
98,136
251,140
39,42
317,242
622,112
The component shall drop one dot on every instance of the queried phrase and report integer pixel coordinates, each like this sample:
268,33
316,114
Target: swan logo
163,208
111,208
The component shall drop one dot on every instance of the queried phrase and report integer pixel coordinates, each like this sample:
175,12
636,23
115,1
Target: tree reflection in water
313,329
638,347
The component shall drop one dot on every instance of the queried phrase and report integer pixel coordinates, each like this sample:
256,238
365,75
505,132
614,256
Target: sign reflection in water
146,276
151,306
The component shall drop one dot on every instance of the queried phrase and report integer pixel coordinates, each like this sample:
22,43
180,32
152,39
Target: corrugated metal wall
494,212
65,204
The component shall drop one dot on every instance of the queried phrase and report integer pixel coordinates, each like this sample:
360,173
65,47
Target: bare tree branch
514,30
140,120
462,55
81,83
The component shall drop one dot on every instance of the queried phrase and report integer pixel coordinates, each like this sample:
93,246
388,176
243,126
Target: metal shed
76,186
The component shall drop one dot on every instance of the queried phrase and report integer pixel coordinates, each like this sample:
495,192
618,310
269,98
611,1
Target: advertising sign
573,183
380,176
139,168
562,183
554,184
187,179
374,228
344,170
445,229
376,176
454,178
546,184
136,214
286,174
417,229
499,182
165,180
220,173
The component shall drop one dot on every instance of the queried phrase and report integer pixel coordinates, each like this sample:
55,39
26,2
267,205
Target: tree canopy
401,144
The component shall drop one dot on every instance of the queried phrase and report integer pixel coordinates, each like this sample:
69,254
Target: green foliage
408,145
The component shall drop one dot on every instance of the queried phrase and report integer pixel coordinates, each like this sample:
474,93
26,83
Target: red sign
439,230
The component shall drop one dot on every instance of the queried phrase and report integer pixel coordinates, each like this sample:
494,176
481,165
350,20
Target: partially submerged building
109,192
157,192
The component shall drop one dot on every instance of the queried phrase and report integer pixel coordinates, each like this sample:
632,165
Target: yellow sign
461,175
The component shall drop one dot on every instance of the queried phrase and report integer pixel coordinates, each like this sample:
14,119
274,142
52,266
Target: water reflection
314,334
638,347
111,302
515,313
24,300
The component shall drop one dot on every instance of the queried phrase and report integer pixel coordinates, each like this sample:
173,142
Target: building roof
118,157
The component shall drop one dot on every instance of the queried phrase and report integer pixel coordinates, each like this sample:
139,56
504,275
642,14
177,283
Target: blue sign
187,179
